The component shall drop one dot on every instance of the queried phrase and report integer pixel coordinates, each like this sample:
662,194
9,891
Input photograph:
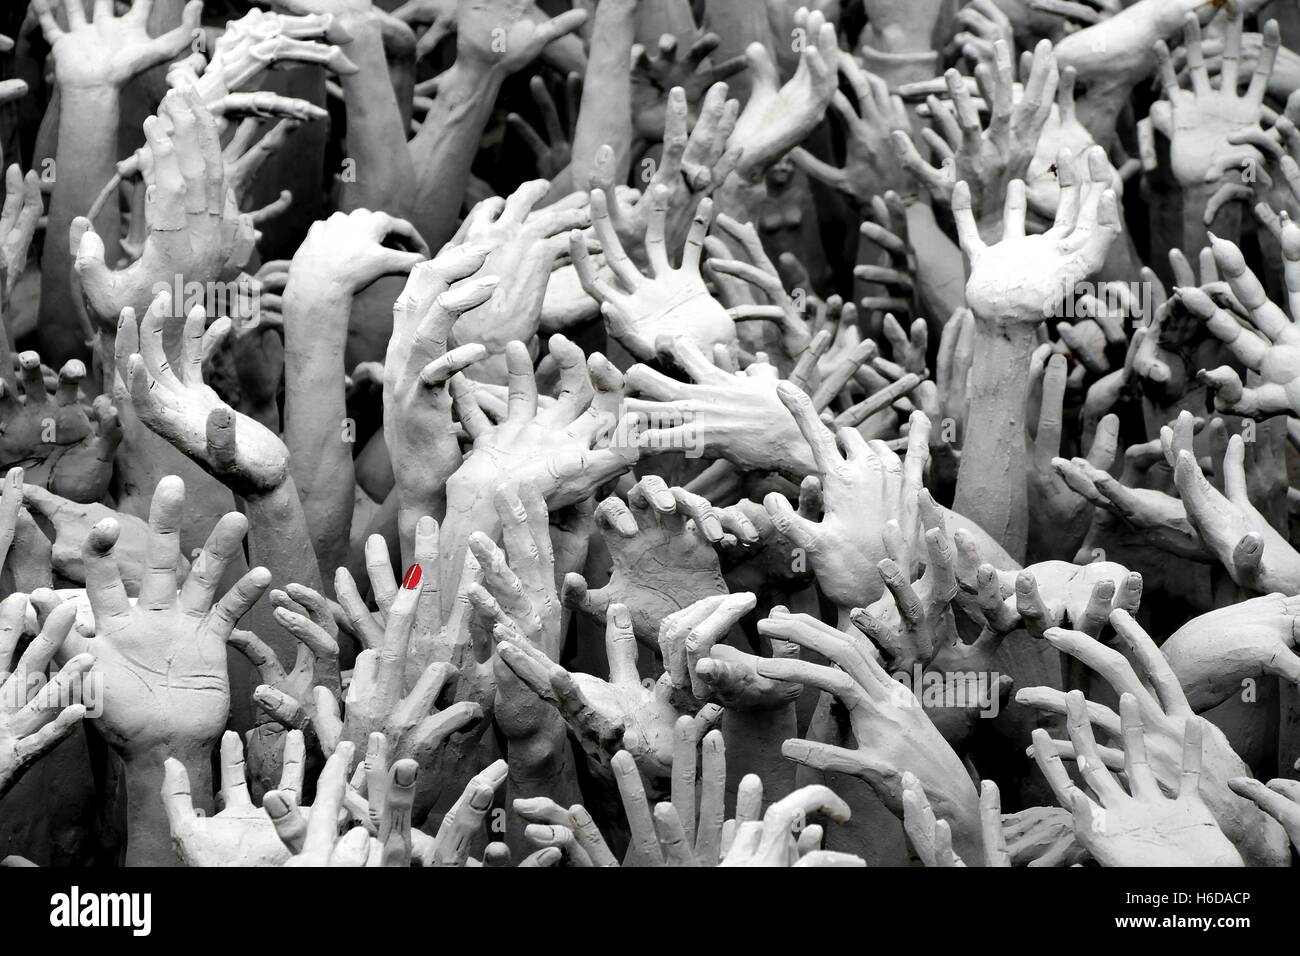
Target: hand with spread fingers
382,697
35,716
1140,827
779,116
624,712
891,730
661,551
674,301
239,834
162,658
1161,718
989,160
1198,121
1267,343
60,446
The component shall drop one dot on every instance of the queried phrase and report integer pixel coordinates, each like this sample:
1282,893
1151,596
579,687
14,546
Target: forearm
991,485
1226,224
468,510
540,766
940,273
148,834
1286,74
605,116
376,138
565,54
317,431
653,20
898,62
444,148
738,23
753,740
84,163
279,540
1123,264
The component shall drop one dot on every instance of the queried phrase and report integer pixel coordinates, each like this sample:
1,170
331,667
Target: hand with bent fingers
1280,799
931,837
673,302
1061,516
779,116
523,241
173,401
1164,714
195,229
315,840
777,840
691,168
286,699
656,75
35,716
239,834
1255,555
622,713
1214,653
418,367
737,417
162,660
891,731
1020,277
660,546
844,547
757,272
987,160
1267,343
871,166
60,447
382,698
1141,827
568,448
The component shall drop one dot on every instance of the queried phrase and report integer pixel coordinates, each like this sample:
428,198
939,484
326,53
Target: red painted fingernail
412,579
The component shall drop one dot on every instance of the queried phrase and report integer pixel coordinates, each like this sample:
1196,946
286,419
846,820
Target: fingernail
412,579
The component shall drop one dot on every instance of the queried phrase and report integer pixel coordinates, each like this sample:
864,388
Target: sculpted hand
673,302
195,229
661,553
59,446
1268,343
893,735
622,713
655,74
871,167
173,401
162,659
1164,714
240,834
1020,278
1198,122
778,117
1140,827
72,524
35,716
1213,653
108,50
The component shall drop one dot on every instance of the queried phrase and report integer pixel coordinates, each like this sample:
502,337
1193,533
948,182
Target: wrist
317,304
753,740
148,832
898,59
96,91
